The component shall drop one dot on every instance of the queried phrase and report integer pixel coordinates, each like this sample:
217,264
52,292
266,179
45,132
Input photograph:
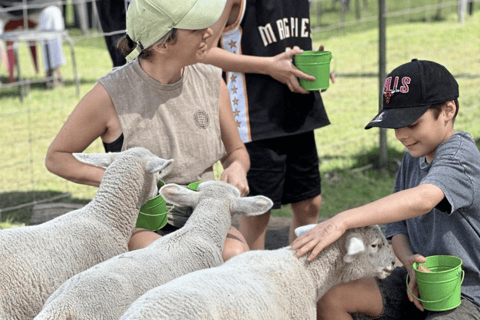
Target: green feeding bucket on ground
440,289
317,64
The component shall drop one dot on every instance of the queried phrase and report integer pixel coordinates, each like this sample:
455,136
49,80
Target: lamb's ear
355,246
304,229
102,160
156,164
252,206
179,196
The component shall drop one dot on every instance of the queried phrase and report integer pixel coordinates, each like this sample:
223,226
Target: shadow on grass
370,159
17,206
437,17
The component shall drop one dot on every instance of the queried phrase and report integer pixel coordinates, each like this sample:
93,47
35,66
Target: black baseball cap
410,90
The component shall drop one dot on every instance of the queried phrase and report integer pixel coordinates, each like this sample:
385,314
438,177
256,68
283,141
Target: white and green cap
149,20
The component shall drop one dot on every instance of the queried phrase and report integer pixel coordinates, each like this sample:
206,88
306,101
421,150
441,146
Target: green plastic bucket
153,213
440,290
317,64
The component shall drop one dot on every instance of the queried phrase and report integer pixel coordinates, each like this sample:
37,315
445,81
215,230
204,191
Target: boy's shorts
284,169
397,306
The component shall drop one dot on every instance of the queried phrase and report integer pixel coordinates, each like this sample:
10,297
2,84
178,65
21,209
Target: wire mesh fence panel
423,29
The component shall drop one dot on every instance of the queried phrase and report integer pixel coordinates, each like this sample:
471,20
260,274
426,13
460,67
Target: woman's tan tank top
177,121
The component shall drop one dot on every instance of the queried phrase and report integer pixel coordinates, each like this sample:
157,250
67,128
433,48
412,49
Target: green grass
348,155
363,15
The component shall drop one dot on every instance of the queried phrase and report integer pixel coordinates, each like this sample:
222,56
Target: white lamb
106,290
36,260
274,285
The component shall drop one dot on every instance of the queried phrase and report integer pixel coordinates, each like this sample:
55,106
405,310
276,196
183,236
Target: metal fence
359,64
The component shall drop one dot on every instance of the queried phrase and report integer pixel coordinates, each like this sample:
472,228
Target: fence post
462,8
382,60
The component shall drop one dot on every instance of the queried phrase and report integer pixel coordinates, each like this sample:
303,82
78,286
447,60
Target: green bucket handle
425,301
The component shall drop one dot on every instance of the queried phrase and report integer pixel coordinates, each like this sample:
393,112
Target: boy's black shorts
284,169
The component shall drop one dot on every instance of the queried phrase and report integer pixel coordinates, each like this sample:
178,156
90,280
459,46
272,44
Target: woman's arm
236,162
93,117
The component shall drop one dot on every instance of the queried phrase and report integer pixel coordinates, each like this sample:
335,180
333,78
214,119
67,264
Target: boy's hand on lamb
318,238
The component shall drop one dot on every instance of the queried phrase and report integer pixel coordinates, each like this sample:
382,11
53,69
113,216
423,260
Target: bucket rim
313,52
459,265
153,202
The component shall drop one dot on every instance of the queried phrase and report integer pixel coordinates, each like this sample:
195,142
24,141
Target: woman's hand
413,286
236,175
320,237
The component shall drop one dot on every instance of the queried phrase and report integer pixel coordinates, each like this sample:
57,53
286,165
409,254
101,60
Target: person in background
46,15
434,210
3,53
112,16
163,100
275,116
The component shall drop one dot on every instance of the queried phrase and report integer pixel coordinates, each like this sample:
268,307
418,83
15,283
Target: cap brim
397,118
203,14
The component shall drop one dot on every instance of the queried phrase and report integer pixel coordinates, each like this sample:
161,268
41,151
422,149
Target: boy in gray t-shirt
434,210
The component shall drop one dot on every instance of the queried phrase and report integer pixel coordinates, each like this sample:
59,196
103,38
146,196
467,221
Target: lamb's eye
374,246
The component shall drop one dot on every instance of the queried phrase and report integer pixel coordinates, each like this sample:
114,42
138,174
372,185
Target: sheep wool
36,260
106,290
273,285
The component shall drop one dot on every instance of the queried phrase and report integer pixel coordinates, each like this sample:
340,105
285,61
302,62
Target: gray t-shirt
453,227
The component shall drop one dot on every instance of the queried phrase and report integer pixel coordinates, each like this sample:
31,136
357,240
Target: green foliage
362,15
9,223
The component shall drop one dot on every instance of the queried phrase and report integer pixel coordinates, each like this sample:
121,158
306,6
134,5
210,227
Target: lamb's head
367,254
132,164
219,191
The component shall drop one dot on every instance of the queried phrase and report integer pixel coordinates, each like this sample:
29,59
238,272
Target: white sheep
258,285
36,260
106,290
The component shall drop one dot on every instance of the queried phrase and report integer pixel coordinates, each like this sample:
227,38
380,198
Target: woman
163,101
